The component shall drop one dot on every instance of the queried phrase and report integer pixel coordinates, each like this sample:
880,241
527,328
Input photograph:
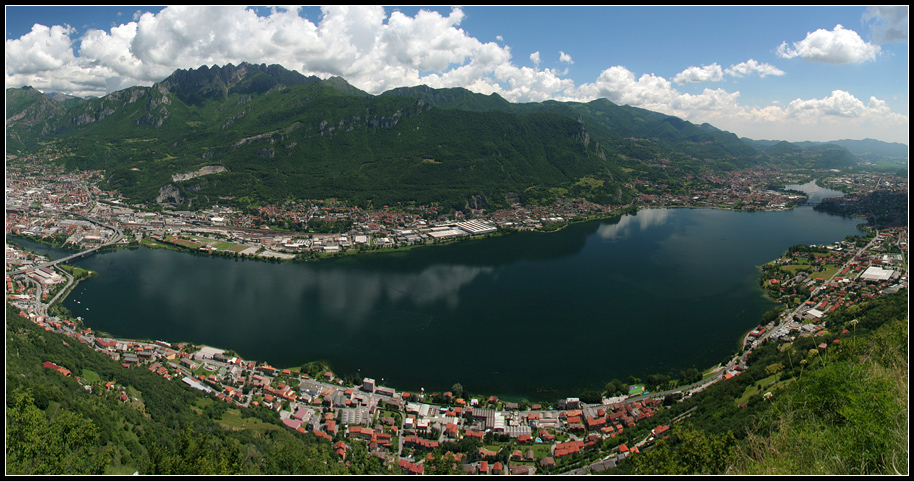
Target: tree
590,397
196,454
657,381
457,389
690,375
66,444
689,452
615,387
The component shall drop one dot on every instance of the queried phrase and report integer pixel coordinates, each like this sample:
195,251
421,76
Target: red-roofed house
595,423
340,448
411,468
51,365
419,442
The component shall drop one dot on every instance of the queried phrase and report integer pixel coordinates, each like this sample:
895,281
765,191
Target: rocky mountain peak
193,86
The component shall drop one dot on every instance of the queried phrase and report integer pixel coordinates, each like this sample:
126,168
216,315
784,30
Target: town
67,209
418,432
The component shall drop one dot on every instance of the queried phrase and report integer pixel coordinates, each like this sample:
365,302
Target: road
796,311
41,308
118,235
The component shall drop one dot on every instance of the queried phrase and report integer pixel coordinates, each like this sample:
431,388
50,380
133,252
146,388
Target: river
535,315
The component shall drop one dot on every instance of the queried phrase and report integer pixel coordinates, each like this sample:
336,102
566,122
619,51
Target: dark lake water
536,315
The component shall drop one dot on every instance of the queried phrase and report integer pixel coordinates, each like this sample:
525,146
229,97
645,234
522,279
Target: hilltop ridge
280,135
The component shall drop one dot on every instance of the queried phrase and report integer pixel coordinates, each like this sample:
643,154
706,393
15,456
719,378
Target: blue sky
787,73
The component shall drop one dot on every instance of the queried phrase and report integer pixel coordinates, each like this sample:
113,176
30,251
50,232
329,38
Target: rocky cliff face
217,83
27,107
477,201
170,193
30,114
156,112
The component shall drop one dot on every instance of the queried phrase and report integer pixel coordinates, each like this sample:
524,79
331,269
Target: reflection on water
626,226
627,296
341,294
352,295
815,193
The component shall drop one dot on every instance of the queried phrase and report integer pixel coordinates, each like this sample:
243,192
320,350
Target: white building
368,384
876,274
445,232
475,227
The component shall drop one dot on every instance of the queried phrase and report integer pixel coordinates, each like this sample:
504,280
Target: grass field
770,383
827,271
228,246
232,420
794,268
90,377
540,450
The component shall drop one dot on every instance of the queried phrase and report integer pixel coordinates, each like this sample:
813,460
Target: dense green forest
56,426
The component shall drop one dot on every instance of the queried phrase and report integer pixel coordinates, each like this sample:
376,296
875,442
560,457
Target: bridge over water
117,238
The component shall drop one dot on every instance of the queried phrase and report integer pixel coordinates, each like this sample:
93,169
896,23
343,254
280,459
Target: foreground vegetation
838,410
57,426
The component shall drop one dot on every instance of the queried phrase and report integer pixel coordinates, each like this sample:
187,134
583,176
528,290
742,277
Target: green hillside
836,410
56,426
280,135
610,125
28,114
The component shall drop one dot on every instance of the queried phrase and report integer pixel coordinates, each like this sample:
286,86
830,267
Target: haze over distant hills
282,135
866,149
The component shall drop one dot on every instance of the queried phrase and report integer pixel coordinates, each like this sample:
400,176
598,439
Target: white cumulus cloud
714,72
40,50
751,67
376,50
837,46
839,103
706,73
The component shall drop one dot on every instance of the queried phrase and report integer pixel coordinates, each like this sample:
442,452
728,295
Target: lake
528,315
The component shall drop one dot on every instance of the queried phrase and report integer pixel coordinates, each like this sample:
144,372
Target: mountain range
266,134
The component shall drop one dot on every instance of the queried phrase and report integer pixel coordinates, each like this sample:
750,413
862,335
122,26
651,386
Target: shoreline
713,370
636,208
